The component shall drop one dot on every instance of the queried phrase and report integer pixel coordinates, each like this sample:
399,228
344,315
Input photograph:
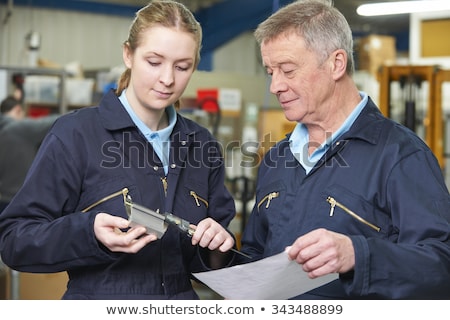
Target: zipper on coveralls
165,185
333,203
269,198
197,198
124,192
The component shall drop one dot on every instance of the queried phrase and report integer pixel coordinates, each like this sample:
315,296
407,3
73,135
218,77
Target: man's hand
321,252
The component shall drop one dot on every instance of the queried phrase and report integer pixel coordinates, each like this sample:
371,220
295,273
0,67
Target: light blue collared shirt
299,139
160,140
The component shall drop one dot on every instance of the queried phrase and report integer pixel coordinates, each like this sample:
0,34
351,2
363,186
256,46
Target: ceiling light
398,7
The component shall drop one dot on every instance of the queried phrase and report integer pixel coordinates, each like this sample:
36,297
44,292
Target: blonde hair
164,13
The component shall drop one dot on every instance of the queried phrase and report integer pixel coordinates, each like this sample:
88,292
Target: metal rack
61,73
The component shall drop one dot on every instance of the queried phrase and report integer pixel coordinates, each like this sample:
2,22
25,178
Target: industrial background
68,51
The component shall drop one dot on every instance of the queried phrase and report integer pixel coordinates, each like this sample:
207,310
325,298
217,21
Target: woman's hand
210,234
107,230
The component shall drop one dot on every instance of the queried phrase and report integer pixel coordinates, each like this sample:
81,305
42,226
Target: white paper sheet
272,278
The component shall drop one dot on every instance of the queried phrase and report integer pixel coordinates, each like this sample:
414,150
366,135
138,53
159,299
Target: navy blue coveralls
91,154
387,176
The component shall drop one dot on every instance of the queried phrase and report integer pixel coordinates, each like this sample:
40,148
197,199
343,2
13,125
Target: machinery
430,120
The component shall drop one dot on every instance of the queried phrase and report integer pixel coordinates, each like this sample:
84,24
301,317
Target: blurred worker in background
12,107
349,191
70,213
20,138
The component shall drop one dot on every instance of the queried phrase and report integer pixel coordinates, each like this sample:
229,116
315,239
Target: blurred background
65,54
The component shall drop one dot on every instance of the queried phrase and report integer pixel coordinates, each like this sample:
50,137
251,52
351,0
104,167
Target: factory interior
65,53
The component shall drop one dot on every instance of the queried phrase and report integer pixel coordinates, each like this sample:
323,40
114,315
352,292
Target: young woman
70,213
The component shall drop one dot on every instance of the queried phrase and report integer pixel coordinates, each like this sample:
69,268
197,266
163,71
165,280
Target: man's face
301,84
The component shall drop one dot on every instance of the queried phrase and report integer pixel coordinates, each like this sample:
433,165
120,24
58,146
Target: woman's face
161,67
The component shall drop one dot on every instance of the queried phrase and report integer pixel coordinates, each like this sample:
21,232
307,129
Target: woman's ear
127,55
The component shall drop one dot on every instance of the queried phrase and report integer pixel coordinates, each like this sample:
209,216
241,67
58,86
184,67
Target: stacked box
375,51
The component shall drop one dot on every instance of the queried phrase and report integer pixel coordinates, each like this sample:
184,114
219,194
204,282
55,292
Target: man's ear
339,63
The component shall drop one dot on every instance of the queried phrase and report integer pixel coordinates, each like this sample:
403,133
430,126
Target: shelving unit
433,119
26,71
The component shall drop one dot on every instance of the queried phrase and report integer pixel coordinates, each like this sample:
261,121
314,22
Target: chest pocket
199,200
193,199
107,197
354,214
265,201
269,202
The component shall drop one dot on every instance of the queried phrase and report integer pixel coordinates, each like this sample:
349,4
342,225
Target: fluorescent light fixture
399,7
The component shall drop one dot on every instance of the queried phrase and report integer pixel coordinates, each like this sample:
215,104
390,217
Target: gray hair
322,26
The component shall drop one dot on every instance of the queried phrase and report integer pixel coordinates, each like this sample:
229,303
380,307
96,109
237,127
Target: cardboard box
375,51
43,286
35,286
